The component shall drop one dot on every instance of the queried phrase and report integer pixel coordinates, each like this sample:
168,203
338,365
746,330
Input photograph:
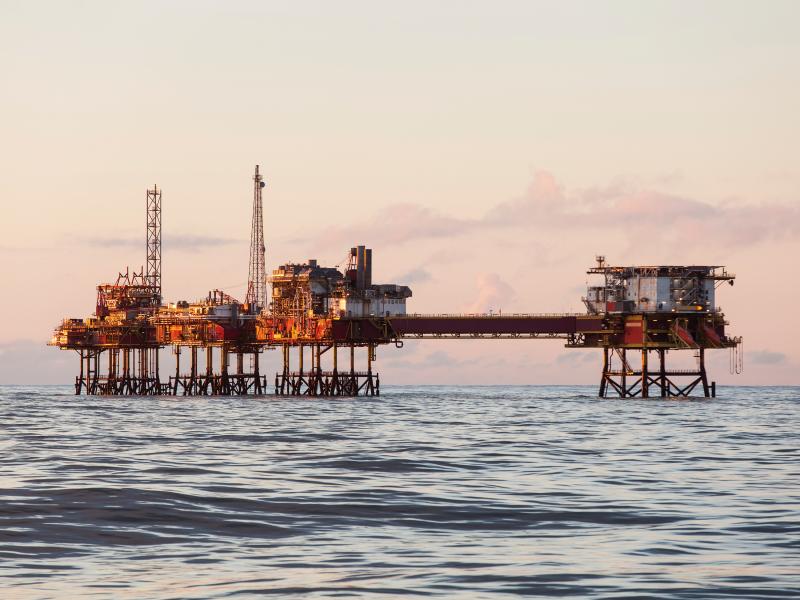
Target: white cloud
492,294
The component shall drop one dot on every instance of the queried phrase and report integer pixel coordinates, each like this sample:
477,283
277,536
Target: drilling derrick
256,280
153,273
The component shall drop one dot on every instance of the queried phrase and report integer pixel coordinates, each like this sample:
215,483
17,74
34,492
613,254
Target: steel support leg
174,390
624,378
604,376
224,381
257,372
337,387
209,385
157,372
703,377
193,373
645,376
126,371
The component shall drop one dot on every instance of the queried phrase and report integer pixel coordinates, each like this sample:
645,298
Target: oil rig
637,314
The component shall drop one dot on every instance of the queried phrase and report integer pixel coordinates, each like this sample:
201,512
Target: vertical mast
153,273
256,280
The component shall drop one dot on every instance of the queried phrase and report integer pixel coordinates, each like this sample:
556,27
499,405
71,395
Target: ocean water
452,492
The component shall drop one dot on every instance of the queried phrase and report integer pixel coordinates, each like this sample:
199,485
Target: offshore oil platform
636,314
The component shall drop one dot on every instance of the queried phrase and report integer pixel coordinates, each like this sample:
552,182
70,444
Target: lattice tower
153,273
257,280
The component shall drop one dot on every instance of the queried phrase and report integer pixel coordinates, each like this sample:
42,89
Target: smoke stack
368,267
360,267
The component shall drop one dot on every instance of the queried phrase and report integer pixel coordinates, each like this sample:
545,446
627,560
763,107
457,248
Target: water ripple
457,492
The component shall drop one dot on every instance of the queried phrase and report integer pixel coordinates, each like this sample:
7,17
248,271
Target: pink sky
486,151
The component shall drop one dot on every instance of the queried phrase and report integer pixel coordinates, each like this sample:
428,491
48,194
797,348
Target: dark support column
157,384
645,377
370,385
318,387
703,378
84,377
284,381
96,362
336,385
113,360
224,361
287,365
335,359
174,390
353,383
662,355
624,371
126,371
258,389
136,367
193,373
604,377
300,359
298,382
88,371
79,381
209,383
375,387
239,363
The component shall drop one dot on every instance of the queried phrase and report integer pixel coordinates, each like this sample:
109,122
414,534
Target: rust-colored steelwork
638,313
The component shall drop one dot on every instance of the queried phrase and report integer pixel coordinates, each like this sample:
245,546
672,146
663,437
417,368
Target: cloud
172,242
396,223
765,357
198,242
492,294
624,209
643,214
418,275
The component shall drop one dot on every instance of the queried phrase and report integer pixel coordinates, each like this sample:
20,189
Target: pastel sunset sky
485,150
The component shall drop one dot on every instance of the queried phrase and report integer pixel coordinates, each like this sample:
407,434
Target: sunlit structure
637,313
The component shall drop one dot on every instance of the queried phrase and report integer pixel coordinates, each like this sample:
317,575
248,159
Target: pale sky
485,150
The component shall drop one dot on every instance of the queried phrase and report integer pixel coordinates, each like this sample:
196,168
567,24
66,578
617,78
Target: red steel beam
353,329
494,325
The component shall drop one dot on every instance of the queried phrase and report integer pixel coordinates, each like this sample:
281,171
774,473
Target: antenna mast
256,280
153,273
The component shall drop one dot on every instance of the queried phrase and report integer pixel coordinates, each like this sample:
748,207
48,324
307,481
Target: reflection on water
459,492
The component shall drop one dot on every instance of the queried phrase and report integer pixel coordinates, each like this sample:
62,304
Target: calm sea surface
456,492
